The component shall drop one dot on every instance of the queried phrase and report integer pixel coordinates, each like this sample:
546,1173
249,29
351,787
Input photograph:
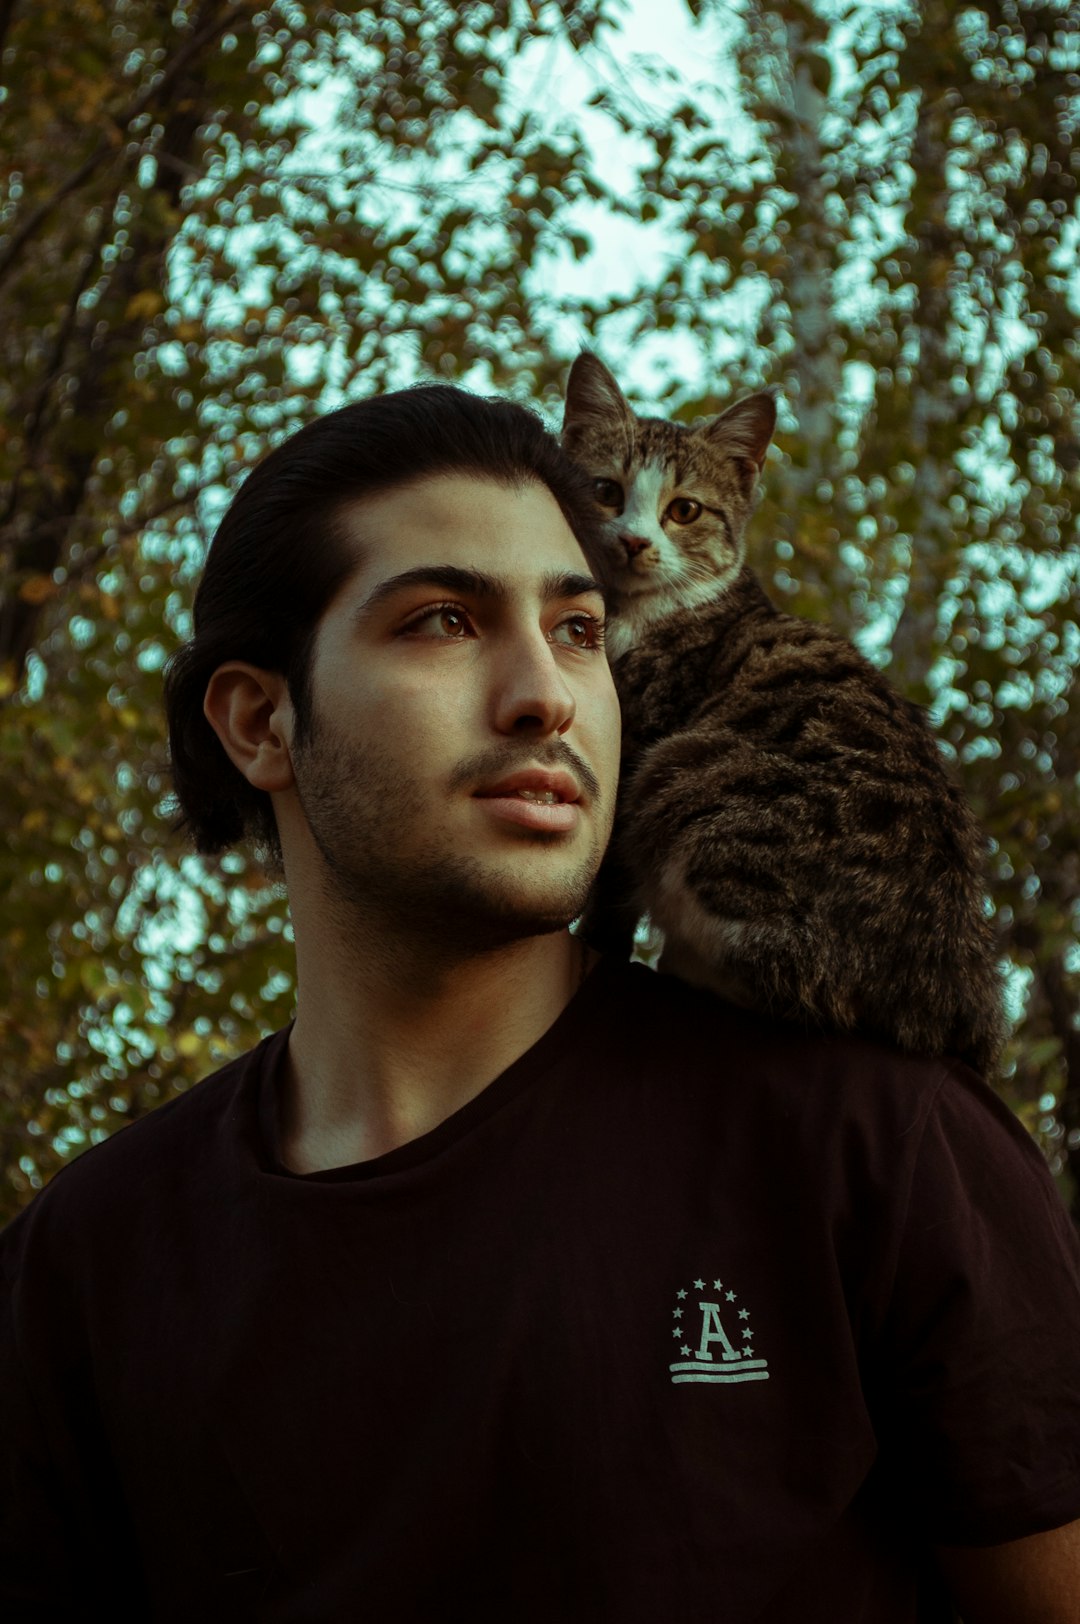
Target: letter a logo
703,1363
713,1331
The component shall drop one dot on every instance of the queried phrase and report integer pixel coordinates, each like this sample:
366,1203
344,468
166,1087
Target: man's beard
359,805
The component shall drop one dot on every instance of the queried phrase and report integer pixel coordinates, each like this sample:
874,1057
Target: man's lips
534,799
533,785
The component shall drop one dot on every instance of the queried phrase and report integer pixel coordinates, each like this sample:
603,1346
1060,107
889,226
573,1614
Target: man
504,1284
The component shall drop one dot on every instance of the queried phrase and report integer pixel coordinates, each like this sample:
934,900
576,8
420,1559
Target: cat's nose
635,545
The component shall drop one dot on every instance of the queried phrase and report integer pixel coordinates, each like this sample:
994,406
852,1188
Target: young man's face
462,768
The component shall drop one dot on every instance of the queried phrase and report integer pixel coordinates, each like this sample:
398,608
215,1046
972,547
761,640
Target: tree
989,248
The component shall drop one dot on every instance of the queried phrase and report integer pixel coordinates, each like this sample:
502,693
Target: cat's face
675,499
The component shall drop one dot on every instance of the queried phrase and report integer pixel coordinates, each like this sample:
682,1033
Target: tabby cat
784,816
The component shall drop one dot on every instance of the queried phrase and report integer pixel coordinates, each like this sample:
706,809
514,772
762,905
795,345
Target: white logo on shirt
706,1319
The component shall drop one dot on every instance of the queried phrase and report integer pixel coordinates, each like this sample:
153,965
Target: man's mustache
501,760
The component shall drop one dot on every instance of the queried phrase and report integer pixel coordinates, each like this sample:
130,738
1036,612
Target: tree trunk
87,368
935,408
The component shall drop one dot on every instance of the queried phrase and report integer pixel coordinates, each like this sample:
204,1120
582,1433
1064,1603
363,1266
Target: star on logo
676,1313
730,1295
676,1332
717,1284
699,1285
748,1333
744,1313
685,1352
680,1295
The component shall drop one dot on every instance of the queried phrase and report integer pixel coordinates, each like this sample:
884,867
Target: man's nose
532,695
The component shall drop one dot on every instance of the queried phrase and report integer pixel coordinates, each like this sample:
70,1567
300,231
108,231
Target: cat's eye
608,493
684,510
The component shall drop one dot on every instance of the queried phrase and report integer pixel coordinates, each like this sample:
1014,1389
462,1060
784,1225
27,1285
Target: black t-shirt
684,1317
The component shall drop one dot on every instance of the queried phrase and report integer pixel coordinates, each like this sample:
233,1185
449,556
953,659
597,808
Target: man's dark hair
282,551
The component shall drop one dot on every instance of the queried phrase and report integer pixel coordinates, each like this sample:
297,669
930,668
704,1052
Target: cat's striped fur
785,817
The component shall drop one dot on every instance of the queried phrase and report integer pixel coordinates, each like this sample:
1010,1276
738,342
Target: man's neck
381,1053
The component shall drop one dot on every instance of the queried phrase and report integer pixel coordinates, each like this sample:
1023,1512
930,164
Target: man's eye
581,631
684,510
608,493
443,621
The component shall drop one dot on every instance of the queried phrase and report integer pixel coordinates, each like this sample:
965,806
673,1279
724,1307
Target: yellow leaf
188,1045
142,306
129,716
110,606
38,589
34,820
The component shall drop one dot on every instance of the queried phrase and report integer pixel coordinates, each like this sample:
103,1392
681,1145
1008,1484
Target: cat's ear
745,430
593,398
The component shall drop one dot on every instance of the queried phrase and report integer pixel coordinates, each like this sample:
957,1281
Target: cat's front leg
713,835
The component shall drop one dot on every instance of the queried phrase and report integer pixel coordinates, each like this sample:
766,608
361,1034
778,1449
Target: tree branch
54,365
49,205
7,17
126,527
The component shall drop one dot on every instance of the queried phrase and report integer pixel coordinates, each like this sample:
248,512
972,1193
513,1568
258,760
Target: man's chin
482,909
460,905
497,920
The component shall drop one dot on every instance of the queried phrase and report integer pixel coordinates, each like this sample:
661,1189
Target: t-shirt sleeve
980,1403
36,1537
65,1543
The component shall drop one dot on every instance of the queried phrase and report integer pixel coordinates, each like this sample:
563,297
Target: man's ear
250,711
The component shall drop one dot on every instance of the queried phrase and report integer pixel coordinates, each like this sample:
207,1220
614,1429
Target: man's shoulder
144,1161
695,1039
820,1106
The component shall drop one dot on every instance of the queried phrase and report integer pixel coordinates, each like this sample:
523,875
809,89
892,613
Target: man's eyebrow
556,584
569,584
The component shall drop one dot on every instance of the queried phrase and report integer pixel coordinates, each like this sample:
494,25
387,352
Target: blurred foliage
217,219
